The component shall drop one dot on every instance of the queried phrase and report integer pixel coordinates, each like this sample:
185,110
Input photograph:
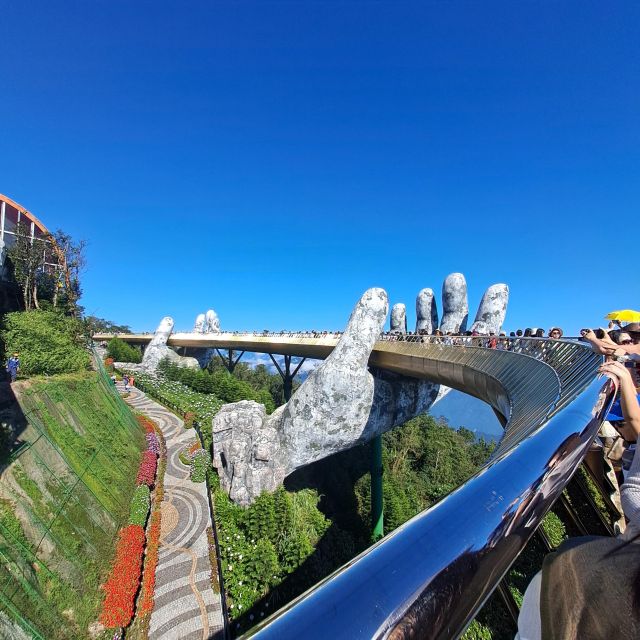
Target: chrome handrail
431,576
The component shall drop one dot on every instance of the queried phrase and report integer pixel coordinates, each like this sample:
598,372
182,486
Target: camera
599,333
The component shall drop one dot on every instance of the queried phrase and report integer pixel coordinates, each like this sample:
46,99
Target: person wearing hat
13,365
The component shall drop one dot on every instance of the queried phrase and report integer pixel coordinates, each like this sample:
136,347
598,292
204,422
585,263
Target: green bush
199,464
140,505
120,351
48,342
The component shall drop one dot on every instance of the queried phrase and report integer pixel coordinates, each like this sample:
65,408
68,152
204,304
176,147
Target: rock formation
426,312
398,318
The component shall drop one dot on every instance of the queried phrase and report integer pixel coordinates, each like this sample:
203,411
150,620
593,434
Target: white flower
240,557
239,606
230,567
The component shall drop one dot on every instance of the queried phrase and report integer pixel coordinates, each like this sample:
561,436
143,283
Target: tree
27,258
120,351
94,324
48,342
47,268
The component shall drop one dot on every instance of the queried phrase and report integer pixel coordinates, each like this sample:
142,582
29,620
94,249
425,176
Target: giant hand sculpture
157,349
206,323
341,404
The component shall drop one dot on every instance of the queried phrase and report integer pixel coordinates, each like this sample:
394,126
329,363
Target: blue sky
272,160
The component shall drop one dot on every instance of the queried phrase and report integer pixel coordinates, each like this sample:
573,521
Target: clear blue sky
273,160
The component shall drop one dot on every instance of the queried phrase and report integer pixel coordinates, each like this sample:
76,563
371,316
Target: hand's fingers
198,326
455,308
163,332
365,324
212,323
399,318
492,309
426,312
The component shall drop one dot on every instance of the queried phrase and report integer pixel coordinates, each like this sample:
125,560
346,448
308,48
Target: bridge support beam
228,360
377,470
286,375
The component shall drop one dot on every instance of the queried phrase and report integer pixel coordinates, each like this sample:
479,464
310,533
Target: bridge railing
431,576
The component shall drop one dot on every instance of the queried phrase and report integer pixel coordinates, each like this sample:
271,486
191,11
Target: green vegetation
140,505
220,383
47,341
200,463
63,499
120,351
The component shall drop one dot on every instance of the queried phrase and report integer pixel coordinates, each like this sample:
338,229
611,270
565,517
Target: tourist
555,333
590,587
13,366
125,380
132,381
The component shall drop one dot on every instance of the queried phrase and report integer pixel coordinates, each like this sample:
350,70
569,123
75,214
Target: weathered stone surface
340,404
247,451
399,318
212,323
455,308
198,326
426,312
157,349
492,310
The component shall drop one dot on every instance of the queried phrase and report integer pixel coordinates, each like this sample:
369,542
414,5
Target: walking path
186,607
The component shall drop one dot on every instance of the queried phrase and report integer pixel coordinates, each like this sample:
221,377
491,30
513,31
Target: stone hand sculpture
205,323
340,405
489,318
157,349
398,318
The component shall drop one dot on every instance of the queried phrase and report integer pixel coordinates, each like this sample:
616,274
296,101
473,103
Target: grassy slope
63,500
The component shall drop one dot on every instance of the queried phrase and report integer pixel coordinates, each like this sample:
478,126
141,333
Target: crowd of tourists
590,587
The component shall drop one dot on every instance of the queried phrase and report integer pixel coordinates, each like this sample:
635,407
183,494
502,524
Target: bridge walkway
186,606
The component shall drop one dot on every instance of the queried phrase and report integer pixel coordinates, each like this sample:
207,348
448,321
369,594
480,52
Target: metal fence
60,508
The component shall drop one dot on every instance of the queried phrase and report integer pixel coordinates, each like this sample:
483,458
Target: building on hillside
15,220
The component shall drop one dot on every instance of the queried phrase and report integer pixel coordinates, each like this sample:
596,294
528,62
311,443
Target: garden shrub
48,342
140,505
199,465
120,351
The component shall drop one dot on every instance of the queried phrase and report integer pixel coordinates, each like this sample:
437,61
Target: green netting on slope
63,497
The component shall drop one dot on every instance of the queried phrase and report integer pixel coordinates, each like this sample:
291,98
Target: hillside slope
64,492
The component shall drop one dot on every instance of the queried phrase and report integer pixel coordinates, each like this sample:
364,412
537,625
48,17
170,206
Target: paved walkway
186,607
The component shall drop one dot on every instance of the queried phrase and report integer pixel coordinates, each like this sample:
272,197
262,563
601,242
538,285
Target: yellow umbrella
626,315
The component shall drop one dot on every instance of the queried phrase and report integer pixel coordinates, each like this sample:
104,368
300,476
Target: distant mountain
462,410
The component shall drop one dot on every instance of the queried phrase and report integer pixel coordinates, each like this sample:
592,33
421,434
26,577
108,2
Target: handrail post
377,508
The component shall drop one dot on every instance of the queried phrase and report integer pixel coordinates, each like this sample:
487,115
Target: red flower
121,586
147,470
145,603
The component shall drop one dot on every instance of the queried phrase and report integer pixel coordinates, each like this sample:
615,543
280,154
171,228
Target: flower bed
146,600
199,465
140,505
147,424
152,443
147,470
123,582
179,397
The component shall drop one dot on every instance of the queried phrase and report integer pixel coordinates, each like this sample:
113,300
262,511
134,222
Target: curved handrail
431,576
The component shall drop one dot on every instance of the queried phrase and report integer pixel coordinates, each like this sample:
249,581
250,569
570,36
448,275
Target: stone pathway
186,607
